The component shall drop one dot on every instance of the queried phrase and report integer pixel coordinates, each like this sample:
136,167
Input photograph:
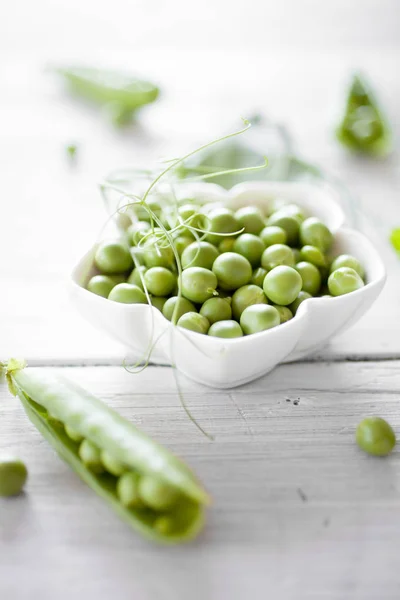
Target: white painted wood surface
290,60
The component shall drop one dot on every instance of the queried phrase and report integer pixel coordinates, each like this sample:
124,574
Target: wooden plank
298,510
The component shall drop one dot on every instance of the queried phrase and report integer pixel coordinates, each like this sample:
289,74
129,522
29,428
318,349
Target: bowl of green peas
225,285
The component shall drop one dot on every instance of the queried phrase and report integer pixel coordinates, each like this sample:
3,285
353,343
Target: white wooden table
299,512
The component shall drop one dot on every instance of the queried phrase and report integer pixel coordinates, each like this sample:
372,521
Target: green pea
158,302
137,231
225,329
282,285
127,294
128,490
72,434
226,245
292,210
111,464
272,234
288,223
198,284
313,255
375,436
296,255
176,306
194,322
100,285
314,233
344,281
135,278
157,254
285,314
300,298
182,242
91,456
232,270
164,525
156,494
216,309
199,254
258,276
250,246
259,317
346,260
13,475
251,218
275,255
159,281
311,277
220,220
245,296
113,257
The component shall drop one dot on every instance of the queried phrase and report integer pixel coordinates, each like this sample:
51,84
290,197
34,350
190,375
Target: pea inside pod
140,479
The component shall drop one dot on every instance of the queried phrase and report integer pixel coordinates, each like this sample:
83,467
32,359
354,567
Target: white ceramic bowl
226,363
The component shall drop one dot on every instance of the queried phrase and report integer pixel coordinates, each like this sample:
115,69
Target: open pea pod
146,485
120,92
364,128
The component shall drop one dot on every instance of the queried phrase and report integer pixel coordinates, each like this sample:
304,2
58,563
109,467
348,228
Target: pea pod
364,128
120,92
78,425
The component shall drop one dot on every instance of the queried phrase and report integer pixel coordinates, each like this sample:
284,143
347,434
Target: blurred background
214,62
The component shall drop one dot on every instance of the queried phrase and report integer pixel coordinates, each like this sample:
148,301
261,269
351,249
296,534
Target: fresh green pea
375,436
157,494
220,220
344,281
292,210
194,322
258,276
159,281
111,464
137,231
164,525
118,278
216,309
285,314
311,277
128,490
232,270
288,223
282,285
250,246
315,233
259,317
294,306
157,254
198,284
199,254
313,255
272,234
158,302
127,294
100,285
346,260
135,278
245,296
182,242
225,329
296,255
109,437
113,257
13,475
226,245
176,306
275,255
251,218
73,434
91,456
